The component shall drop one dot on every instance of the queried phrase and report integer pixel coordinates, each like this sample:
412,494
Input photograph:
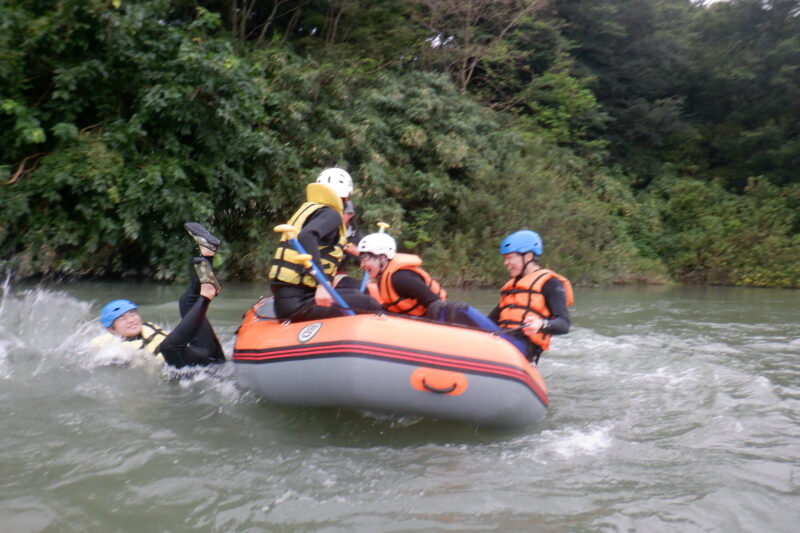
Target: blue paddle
364,282
305,259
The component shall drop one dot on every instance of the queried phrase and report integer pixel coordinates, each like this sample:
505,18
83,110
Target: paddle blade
302,259
287,230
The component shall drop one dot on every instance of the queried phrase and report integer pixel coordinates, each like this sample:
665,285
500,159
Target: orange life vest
520,299
384,292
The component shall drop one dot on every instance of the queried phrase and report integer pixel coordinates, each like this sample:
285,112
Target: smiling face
127,325
372,264
514,263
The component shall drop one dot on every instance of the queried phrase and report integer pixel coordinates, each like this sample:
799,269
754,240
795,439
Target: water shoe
205,274
202,236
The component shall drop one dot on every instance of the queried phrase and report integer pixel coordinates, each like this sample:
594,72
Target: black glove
434,308
453,311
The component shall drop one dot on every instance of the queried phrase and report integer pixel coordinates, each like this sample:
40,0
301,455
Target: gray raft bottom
381,386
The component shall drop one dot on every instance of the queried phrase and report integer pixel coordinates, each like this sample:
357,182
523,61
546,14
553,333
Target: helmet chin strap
531,261
384,261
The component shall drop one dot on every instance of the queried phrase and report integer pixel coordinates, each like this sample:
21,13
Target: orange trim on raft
403,340
439,381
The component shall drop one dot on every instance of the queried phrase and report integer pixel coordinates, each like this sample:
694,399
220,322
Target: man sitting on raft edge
533,303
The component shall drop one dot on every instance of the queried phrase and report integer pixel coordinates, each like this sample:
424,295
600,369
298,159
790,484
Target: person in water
533,303
193,341
322,233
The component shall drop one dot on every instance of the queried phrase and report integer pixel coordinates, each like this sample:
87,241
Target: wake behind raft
390,364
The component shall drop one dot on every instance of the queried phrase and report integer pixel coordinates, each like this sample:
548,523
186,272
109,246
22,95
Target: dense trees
644,140
746,91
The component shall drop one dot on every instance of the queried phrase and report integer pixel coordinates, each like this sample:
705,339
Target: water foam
40,322
5,372
572,442
53,329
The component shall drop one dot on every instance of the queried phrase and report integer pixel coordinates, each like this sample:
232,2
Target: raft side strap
528,311
156,331
517,323
519,291
416,305
329,255
294,267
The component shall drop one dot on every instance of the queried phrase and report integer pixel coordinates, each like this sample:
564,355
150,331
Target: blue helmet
521,242
114,310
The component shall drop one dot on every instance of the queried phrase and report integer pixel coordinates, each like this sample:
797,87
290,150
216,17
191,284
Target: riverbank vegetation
645,141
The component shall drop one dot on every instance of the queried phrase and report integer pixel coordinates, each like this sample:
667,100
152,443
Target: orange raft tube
389,364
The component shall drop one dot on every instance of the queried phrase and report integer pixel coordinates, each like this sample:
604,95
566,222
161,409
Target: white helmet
338,180
378,244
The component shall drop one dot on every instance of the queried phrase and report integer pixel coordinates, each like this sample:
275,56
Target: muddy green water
672,409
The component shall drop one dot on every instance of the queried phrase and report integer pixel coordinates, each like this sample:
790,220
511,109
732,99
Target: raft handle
438,390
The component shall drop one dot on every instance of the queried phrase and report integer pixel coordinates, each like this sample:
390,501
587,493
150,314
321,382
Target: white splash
40,322
572,442
42,328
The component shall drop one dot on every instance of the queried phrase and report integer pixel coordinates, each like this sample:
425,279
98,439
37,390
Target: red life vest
520,299
384,291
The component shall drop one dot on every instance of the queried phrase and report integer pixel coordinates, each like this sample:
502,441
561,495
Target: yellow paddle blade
287,230
302,259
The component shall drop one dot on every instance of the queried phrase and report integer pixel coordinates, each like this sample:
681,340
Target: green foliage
533,75
121,120
714,236
746,90
549,190
150,130
635,54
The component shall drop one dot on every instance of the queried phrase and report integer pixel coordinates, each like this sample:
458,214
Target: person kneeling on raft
400,284
321,232
193,341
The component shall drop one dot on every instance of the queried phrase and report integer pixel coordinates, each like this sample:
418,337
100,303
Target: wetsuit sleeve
411,285
321,228
555,298
494,316
354,236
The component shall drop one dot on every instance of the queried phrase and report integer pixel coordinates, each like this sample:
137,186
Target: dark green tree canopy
645,141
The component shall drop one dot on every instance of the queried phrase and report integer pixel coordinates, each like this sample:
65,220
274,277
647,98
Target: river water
672,409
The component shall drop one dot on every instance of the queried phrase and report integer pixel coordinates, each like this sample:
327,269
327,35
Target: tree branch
21,171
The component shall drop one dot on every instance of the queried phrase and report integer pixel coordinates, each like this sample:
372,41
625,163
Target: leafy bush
714,236
119,121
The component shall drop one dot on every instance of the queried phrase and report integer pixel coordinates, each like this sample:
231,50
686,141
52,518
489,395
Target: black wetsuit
555,298
296,302
409,284
353,237
193,341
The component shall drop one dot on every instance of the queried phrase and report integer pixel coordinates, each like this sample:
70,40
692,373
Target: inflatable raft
388,364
